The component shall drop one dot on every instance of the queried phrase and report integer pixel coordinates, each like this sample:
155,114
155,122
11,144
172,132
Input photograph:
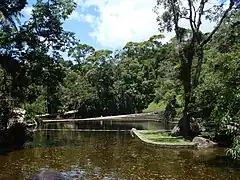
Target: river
111,154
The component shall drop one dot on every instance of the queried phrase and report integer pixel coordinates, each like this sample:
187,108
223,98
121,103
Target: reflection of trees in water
106,150
111,154
194,163
105,125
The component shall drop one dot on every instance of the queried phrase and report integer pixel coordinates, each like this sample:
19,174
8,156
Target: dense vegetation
45,69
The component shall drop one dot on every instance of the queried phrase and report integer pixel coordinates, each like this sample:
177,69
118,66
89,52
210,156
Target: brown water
112,155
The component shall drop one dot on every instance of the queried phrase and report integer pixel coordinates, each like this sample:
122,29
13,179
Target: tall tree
191,43
9,13
45,39
31,54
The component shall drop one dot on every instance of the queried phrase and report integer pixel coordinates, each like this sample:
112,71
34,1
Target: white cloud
27,10
82,17
120,21
88,18
74,16
116,22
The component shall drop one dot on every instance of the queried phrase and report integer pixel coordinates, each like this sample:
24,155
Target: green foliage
220,87
10,11
29,69
234,151
155,107
81,52
135,89
164,137
35,108
75,90
104,84
212,84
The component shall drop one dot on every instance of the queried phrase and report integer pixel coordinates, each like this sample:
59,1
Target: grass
154,107
154,133
160,107
171,140
160,136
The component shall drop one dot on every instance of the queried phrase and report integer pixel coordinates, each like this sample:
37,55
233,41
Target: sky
110,24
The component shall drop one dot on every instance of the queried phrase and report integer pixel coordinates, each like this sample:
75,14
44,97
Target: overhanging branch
219,23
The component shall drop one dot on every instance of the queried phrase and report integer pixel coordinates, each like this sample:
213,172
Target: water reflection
105,125
110,155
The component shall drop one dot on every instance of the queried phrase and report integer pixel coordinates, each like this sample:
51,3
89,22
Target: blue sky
82,27
109,24
79,27
112,23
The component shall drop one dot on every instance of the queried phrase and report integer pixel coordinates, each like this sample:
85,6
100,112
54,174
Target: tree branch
190,15
201,7
195,16
219,23
175,19
208,10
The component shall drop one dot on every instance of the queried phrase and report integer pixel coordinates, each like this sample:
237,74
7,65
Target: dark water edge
112,155
14,137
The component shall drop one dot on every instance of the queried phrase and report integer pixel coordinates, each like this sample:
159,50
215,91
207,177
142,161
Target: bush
35,108
234,151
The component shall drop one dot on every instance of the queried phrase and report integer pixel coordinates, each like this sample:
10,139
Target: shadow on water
223,162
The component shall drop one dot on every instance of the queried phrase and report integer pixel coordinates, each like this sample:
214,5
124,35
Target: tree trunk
186,55
199,67
184,123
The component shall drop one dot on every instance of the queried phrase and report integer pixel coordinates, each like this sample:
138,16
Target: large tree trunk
199,67
186,55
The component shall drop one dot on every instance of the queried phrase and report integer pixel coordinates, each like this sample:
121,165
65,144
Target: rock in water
48,175
204,143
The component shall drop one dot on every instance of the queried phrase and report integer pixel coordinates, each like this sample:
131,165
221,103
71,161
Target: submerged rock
48,174
204,143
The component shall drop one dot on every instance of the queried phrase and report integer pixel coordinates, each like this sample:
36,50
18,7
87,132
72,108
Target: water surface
80,150
111,155
107,124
